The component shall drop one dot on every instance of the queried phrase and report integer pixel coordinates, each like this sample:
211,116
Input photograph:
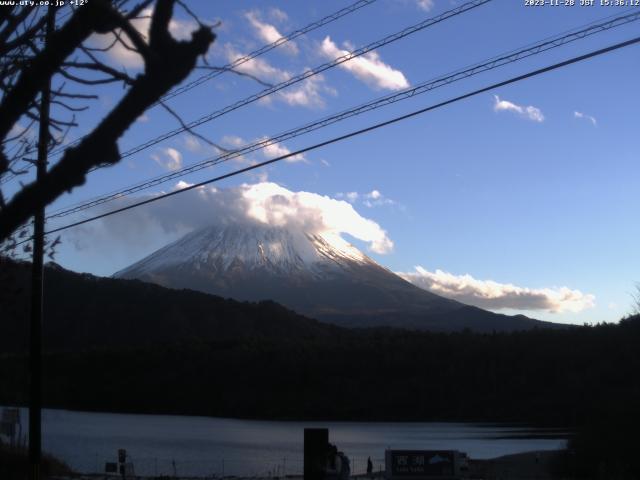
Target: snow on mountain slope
274,249
319,275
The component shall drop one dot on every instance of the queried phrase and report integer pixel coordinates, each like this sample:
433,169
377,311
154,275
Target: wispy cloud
169,158
257,67
267,32
273,150
368,67
308,93
278,15
584,116
233,141
192,144
375,199
277,150
350,197
426,5
529,112
370,199
496,296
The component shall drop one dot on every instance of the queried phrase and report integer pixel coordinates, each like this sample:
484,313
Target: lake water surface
202,446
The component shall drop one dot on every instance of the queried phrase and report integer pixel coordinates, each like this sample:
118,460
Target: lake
203,446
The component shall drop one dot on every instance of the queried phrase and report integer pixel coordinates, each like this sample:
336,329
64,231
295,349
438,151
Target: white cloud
169,158
368,67
125,57
278,15
529,112
308,93
426,5
233,142
371,199
182,184
374,195
375,199
495,296
277,150
267,32
259,203
593,121
351,197
257,67
182,29
144,118
192,144
20,131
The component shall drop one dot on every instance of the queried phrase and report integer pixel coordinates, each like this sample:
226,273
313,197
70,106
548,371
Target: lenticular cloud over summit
264,203
274,205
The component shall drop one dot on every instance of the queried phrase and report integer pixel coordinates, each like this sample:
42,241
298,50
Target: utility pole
35,323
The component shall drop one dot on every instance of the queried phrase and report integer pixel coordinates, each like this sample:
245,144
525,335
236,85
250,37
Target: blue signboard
422,463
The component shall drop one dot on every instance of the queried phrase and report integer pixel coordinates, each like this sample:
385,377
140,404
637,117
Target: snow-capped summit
317,274
277,250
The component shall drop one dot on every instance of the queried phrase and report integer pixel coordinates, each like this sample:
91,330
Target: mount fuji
319,275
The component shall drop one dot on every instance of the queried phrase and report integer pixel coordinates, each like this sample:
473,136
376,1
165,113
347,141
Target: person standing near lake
369,468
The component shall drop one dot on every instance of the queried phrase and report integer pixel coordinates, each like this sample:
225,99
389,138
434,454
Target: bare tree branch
13,22
237,72
101,67
60,93
68,107
87,81
186,8
168,63
135,11
190,130
103,49
29,33
63,42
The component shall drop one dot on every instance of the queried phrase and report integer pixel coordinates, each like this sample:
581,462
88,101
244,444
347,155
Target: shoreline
522,427
538,464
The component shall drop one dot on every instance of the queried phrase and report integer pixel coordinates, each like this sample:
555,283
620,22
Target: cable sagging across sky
250,56
424,87
355,133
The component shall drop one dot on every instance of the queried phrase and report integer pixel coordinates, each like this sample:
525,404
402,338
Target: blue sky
526,194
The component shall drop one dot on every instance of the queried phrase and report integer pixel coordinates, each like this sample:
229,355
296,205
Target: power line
494,62
376,126
303,76
296,79
309,73
250,56
266,48
236,63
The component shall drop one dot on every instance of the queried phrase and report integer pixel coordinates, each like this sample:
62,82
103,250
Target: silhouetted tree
28,62
636,301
